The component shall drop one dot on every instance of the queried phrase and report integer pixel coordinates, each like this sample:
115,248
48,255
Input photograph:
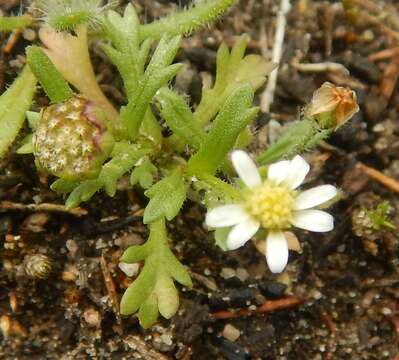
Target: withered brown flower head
338,102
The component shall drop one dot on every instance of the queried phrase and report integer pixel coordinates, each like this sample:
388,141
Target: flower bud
72,140
332,106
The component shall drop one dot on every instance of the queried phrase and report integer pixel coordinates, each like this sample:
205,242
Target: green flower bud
72,140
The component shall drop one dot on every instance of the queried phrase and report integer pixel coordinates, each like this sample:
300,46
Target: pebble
129,269
242,274
386,311
231,333
92,317
72,246
227,273
29,34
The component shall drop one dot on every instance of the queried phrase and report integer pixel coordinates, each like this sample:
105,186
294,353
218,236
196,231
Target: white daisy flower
274,204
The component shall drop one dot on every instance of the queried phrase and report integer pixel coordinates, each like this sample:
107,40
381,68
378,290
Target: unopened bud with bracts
332,106
72,139
38,266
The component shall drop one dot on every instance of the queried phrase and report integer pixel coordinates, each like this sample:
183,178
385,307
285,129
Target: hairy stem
185,22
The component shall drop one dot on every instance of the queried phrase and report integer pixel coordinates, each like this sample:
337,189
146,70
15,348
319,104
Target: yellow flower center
272,205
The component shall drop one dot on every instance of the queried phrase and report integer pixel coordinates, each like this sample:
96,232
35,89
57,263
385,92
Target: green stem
220,186
299,137
9,23
185,22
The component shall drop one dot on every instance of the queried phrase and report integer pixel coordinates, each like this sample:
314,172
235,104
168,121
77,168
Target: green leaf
185,22
144,174
151,130
123,158
179,117
232,71
124,32
232,119
13,105
132,115
166,198
148,312
154,289
83,192
55,86
63,186
26,145
130,58
33,118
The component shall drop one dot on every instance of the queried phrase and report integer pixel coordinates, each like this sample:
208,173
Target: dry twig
12,40
320,67
383,179
110,285
267,307
268,95
9,205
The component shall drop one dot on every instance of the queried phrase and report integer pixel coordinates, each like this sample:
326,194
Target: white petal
315,196
299,168
313,220
226,215
246,168
276,251
278,171
241,233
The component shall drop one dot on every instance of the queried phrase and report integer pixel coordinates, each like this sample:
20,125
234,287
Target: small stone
92,317
166,339
386,311
272,289
227,273
72,246
231,333
101,244
129,269
242,274
29,34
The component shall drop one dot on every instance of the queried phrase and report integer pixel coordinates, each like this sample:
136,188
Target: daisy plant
274,204
168,150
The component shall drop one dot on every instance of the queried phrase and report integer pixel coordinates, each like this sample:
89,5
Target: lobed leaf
233,70
143,174
232,119
153,290
166,198
179,117
123,157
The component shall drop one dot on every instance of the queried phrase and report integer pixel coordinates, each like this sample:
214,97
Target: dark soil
338,299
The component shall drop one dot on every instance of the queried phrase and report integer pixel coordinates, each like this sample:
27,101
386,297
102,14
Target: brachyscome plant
274,204
87,144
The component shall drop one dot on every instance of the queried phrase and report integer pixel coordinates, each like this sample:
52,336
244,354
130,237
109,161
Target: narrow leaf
55,86
13,105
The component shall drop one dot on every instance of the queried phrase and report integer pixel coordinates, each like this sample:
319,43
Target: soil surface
338,298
